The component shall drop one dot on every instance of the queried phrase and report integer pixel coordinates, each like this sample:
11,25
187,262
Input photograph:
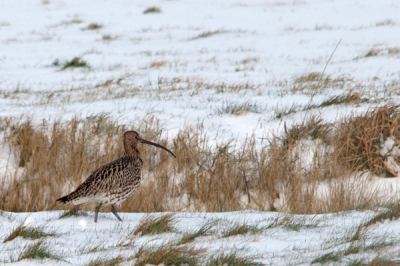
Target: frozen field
272,238
196,60
236,68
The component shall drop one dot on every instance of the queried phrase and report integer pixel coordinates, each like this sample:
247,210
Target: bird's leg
96,212
114,211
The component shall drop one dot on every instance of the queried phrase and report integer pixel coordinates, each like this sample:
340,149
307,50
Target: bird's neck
132,152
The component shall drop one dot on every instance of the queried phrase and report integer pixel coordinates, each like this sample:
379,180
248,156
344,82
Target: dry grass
54,158
356,247
168,254
209,34
125,87
361,138
394,50
378,261
232,258
153,9
28,232
316,82
348,98
235,108
152,224
105,262
241,229
204,230
355,98
109,37
38,250
158,64
373,52
391,212
92,248
390,51
385,23
281,112
74,63
94,26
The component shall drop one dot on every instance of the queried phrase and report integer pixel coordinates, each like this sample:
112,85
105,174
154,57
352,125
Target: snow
164,65
391,150
281,244
8,164
262,43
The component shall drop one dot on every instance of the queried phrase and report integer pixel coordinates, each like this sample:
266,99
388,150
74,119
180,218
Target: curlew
114,182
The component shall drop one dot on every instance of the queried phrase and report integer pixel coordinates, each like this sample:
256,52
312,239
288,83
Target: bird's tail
71,197
63,199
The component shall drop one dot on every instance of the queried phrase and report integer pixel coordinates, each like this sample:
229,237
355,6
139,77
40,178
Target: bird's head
132,138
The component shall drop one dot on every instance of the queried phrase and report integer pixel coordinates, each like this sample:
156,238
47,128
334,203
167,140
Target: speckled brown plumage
114,182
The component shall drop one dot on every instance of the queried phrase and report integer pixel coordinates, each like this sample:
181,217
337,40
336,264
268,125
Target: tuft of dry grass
385,23
232,258
38,250
316,82
313,76
74,63
232,108
28,232
14,233
280,113
154,224
313,128
90,248
357,247
94,26
158,64
241,229
394,50
109,37
344,99
373,52
360,139
203,231
328,257
105,262
349,98
153,9
379,261
209,34
391,212
168,254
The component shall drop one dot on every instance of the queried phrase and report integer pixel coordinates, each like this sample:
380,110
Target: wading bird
114,182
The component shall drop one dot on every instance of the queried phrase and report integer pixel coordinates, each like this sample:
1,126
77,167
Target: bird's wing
106,178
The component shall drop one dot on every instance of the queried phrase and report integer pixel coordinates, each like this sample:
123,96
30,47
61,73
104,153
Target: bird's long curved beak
157,145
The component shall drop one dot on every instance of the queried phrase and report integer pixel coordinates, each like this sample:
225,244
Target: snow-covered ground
282,240
189,64
170,63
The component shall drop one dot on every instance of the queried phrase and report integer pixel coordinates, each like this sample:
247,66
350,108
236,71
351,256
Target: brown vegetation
153,9
54,158
362,137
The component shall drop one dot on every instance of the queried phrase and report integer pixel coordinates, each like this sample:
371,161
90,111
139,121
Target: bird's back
109,184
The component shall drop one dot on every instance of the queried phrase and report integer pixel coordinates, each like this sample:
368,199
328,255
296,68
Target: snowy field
237,68
273,238
195,59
